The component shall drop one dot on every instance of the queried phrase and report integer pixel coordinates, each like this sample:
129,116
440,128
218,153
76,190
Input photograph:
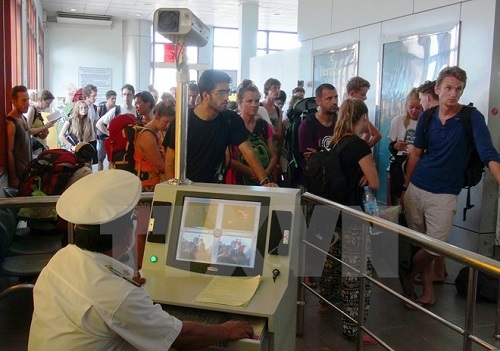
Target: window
226,48
227,42
164,72
32,44
269,41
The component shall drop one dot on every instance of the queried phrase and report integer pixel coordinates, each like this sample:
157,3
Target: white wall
283,65
68,47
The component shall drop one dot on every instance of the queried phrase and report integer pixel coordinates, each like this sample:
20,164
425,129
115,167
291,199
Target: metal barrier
474,261
50,201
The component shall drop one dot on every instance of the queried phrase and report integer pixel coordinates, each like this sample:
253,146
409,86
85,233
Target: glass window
262,40
228,37
166,78
226,58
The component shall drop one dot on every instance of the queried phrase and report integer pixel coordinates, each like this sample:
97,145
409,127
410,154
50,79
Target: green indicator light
153,259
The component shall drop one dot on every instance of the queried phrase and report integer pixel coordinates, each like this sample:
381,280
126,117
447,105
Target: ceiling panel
220,13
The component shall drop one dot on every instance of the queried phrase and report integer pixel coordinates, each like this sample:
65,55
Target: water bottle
370,202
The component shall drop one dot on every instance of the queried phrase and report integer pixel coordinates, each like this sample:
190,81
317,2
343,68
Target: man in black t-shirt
211,129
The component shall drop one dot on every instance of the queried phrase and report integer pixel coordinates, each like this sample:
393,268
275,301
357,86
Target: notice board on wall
100,77
335,66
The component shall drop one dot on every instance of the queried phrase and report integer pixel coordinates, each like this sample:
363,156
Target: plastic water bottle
370,202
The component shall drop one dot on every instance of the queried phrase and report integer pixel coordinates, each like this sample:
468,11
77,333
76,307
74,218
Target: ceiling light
72,10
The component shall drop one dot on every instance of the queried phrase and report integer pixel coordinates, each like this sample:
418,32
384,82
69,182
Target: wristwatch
265,181
405,187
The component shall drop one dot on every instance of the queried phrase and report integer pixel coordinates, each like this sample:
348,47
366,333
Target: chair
16,310
9,191
24,267
28,245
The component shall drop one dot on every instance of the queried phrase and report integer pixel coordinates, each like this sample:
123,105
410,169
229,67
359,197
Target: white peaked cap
100,197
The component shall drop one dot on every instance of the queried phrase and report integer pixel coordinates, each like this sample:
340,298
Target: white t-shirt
92,113
81,305
262,113
400,132
108,116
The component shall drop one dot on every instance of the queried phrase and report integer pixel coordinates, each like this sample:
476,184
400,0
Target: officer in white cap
85,299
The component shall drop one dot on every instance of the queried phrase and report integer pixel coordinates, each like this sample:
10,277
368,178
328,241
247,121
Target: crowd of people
248,144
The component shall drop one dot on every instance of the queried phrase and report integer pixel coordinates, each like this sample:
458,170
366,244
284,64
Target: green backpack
258,139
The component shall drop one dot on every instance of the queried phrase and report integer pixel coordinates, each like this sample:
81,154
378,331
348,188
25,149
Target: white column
137,53
249,26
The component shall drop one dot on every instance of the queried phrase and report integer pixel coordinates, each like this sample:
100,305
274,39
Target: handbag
36,145
73,140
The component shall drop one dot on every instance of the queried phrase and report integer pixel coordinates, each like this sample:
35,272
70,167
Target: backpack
475,166
301,110
102,109
324,174
50,172
120,145
258,139
487,286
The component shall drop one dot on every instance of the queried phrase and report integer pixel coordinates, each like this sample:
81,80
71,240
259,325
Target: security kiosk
201,234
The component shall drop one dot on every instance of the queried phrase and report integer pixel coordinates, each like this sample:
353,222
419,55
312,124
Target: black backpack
324,174
302,110
475,166
487,286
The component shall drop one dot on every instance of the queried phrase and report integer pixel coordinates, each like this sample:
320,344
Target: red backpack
50,172
123,132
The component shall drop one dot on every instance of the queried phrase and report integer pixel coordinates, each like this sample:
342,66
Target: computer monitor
219,234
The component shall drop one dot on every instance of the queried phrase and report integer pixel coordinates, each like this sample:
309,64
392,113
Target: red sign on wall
170,51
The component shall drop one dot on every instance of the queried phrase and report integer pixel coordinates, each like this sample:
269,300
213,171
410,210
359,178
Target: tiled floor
400,328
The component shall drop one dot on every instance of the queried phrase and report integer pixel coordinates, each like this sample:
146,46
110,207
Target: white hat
100,197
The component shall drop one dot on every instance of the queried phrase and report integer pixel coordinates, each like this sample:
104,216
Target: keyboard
259,324
197,315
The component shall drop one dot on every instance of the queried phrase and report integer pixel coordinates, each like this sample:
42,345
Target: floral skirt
340,284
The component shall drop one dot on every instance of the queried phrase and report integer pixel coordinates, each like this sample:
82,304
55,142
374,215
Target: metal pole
471,309
362,281
497,319
181,121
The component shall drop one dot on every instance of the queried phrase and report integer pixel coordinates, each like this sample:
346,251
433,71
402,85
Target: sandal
310,282
408,292
369,340
324,308
418,280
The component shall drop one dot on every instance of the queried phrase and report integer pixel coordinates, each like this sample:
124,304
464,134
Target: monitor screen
220,234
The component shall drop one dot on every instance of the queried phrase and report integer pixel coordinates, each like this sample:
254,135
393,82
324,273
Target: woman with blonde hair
39,130
402,135
338,285
79,128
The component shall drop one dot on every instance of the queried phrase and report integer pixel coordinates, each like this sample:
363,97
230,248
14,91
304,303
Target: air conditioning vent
84,19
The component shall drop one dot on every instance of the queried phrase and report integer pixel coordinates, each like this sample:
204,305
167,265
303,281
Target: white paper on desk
230,291
54,116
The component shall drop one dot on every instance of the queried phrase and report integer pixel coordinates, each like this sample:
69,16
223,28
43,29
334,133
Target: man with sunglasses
85,298
211,129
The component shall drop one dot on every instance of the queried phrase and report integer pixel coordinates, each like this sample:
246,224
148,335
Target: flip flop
425,304
324,309
369,340
418,280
